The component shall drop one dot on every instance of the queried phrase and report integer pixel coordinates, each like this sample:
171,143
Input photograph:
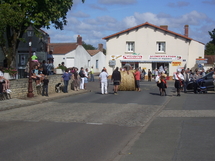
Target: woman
4,84
179,78
66,77
161,83
85,78
75,79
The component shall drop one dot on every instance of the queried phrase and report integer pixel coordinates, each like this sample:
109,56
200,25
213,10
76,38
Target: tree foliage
210,46
17,15
88,46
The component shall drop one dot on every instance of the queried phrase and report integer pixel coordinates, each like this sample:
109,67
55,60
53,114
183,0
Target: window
130,46
97,64
161,46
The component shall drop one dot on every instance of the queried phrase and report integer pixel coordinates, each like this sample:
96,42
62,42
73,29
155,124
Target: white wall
101,61
82,57
145,39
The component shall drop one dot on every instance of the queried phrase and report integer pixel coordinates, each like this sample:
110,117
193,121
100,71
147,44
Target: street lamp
30,33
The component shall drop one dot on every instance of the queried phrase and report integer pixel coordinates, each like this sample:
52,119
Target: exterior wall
19,87
101,61
146,39
82,58
196,50
59,58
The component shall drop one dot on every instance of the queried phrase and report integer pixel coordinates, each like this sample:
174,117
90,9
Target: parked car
208,82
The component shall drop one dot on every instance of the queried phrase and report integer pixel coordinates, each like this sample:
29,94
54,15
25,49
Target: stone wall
19,87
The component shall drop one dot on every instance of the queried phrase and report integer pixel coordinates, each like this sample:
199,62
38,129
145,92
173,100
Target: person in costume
179,78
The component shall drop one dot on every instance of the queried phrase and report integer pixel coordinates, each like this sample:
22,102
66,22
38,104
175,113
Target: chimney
164,27
79,40
100,47
186,30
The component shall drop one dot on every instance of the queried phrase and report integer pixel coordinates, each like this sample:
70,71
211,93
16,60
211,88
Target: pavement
177,129
21,102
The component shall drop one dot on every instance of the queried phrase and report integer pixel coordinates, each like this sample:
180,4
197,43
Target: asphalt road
132,126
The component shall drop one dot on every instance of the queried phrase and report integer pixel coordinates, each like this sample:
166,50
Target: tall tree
210,46
17,15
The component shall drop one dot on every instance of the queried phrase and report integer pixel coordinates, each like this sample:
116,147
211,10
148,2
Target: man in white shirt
103,80
179,78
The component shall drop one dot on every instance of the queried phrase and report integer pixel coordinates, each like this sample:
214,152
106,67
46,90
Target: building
210,62
75,55
98,59
150,47
39,44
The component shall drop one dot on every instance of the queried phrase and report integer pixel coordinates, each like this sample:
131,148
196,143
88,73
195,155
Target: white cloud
93,30
79,14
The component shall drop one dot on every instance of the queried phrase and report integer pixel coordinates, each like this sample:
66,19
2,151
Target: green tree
17,15
210,46
88,46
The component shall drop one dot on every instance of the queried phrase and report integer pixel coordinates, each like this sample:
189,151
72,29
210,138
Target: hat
179,70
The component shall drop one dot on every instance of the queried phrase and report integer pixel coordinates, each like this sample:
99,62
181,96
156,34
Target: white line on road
91,123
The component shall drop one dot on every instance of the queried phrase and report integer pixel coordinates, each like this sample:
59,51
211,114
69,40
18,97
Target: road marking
187,113
92,123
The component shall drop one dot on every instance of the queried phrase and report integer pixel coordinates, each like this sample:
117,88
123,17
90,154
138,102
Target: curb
38,100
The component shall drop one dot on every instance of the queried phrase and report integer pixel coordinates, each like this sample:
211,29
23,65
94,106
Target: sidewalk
16,102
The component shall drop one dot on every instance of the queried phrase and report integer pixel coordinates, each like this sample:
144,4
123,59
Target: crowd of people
80,78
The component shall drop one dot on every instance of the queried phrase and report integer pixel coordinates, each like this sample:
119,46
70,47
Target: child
45,86
36,76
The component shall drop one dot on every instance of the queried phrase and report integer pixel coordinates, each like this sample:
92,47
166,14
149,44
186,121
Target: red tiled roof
211,59
93,52
62,48
146,24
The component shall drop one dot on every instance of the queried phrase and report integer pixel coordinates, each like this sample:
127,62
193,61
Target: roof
146,24
62,48
211,59
93,52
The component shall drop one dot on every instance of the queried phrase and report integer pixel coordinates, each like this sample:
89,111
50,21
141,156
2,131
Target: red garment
137,75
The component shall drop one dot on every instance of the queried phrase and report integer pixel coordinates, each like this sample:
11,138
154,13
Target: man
149,75
91,74
137,79
103,80
116,78
186,80
82,76
195,77
178,77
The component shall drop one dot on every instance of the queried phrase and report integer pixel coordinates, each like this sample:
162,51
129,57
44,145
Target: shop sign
114,57
176,63
132,56
165,57
201,61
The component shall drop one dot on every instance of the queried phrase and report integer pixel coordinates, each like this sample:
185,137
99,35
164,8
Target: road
95,127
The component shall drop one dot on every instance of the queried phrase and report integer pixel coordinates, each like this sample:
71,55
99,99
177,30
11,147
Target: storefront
169,63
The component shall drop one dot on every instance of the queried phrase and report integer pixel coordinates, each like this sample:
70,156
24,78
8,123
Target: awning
144,61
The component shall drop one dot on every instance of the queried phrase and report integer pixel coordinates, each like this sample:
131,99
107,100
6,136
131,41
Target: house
210,62
75,55
98,59
39,43
150,47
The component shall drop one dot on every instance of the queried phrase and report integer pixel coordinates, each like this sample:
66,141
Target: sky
96,19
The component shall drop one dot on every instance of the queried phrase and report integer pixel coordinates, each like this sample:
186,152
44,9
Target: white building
75,55
98,59
149,47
